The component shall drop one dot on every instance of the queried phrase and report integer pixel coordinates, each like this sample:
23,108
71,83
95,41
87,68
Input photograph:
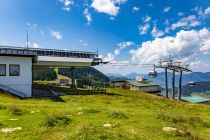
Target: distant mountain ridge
116,77
194,76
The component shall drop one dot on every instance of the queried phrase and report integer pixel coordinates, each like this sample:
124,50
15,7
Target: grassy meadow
122,115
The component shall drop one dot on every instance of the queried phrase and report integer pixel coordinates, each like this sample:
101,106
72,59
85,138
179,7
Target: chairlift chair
191,83
153,74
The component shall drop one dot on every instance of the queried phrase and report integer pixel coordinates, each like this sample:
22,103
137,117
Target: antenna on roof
97,53
27,40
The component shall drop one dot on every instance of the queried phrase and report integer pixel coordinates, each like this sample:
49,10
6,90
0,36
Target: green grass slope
127,115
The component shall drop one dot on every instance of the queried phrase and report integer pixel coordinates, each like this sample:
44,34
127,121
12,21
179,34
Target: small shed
196,99
144,86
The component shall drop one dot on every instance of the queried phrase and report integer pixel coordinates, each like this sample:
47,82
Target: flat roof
10,50
16,52
195,99
142,84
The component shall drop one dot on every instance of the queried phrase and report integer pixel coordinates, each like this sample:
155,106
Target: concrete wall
22,83
63,61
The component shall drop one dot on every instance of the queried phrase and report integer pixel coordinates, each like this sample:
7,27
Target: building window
2,69
14,70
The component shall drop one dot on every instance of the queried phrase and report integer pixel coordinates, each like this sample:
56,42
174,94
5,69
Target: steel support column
166,82
173,84
180,86
73,84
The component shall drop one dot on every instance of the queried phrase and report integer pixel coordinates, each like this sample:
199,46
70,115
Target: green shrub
197,121
15,110
178,119
92,110
2,107
118,115
163,117
52,121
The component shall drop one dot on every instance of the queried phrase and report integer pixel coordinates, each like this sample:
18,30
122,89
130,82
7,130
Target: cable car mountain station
17,65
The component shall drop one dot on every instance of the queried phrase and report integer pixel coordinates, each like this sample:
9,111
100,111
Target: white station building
17,65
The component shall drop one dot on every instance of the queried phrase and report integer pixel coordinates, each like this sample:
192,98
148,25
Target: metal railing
13,91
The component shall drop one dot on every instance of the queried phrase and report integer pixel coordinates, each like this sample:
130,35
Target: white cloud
146,19
111,18
180,14
135,9
197,63
32,45
125,44
32,26
66,9
144,29
35,45
110,57
87,16
166,9
166,22
202,13
186,22
109,7
82,43
185,46
156,33
56,34
67,4
121,46
207,11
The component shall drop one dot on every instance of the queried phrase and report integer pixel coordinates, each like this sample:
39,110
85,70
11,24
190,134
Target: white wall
23,82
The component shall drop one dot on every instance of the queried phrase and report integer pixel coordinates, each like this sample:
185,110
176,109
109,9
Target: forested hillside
86,76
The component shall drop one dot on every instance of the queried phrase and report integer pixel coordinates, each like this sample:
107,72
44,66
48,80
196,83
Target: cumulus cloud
111,18
87,16
135,9
110,7
197,63
186,22
144,29
202,13
146,19
32,26
207,11
67,4
123,45
35,45
180,14
82,43
184,46
56,34
32,45
166,9
156,33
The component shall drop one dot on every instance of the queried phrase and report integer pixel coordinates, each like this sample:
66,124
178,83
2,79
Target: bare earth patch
107,125
169,129
35,111
13,119
9,130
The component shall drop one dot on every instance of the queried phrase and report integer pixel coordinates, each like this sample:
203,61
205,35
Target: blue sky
124,31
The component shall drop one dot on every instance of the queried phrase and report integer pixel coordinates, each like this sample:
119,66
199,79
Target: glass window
2,69
14,70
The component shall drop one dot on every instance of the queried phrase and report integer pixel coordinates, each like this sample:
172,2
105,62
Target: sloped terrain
121,115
